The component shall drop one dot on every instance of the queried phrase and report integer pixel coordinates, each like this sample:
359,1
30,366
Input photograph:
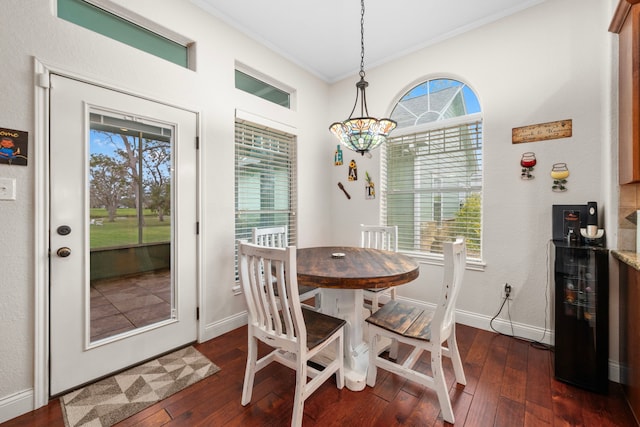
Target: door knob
63,252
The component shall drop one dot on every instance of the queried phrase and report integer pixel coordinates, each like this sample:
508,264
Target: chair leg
375,302
440,385
300,393
340,356
250,371
456,361
372,370
393,349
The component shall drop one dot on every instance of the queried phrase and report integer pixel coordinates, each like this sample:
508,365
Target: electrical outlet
507,291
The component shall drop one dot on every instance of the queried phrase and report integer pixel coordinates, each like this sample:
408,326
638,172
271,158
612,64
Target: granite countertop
631,258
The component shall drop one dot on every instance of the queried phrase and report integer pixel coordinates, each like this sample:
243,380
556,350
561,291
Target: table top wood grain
360,268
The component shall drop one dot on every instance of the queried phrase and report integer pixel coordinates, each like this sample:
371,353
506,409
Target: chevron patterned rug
113,399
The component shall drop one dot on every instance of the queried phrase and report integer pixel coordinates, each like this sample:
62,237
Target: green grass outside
102,213
124,231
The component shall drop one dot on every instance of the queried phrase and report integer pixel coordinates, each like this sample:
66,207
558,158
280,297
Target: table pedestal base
347,304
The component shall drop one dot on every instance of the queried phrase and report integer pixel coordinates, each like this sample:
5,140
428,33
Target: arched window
432,168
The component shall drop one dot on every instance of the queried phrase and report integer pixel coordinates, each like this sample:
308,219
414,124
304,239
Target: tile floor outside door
123,304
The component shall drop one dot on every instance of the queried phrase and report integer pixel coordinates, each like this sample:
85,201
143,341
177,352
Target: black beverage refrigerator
581,315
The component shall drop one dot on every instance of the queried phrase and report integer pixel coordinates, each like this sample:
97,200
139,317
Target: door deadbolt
63,230
63,252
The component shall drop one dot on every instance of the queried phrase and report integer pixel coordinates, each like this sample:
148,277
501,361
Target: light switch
7,188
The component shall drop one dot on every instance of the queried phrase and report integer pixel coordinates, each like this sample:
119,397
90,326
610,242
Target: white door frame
40,160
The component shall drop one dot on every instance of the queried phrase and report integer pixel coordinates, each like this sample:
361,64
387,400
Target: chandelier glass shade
362,134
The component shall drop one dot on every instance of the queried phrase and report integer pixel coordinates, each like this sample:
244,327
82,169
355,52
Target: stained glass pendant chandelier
362,134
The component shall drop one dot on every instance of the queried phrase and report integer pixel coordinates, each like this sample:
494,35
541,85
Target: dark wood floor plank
460,402
538,416
509,383
397,411
475,358
147,418
539,374
514,382
487,394
426,410
565,412
509,413
466,336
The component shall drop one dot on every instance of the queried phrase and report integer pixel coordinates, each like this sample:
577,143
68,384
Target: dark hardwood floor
509,383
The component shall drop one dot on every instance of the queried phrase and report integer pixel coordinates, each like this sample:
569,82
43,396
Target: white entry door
123,239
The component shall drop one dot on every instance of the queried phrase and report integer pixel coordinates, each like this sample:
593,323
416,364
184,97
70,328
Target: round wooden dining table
343,272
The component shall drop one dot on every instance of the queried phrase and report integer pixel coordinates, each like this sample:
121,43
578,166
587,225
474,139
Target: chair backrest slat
268,277
275,237
379,237
455,258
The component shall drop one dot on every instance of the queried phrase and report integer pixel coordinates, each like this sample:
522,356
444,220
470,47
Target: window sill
472,264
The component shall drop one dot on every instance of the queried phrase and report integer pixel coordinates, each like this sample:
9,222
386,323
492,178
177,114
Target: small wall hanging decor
528,161
340,186
337,158
370,190
353,171
542,131
13,147
559,173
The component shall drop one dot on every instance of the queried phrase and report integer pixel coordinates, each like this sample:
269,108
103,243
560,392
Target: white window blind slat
265,180
433,187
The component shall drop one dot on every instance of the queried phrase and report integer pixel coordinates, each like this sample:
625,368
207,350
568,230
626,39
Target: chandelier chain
362,39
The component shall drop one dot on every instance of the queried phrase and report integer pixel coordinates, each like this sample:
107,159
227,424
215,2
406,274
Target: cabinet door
630,341
629,97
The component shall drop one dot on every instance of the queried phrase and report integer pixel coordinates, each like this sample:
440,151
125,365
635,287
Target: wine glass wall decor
559,173
528,161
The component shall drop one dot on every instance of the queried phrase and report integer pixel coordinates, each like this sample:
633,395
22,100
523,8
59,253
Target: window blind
433,188
265,180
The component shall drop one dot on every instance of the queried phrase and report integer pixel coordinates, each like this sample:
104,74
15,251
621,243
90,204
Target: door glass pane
130,216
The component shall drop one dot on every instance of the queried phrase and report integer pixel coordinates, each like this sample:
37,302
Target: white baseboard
15,405
614,371
223,326
506,327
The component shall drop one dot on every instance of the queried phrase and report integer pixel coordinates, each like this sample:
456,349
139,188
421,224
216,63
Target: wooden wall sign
542,131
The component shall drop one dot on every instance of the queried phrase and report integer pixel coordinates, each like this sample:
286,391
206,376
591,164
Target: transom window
261,89
93,15
432,169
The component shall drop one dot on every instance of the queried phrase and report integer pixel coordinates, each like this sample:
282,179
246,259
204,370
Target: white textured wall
31,29
547,63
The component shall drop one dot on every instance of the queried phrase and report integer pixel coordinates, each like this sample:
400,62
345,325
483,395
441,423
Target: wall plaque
542,131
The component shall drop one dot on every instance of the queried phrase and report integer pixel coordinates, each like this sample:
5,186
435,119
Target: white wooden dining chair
378,237
277,319
423,330
277,237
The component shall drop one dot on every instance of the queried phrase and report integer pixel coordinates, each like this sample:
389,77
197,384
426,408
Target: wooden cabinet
630,335
626,23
